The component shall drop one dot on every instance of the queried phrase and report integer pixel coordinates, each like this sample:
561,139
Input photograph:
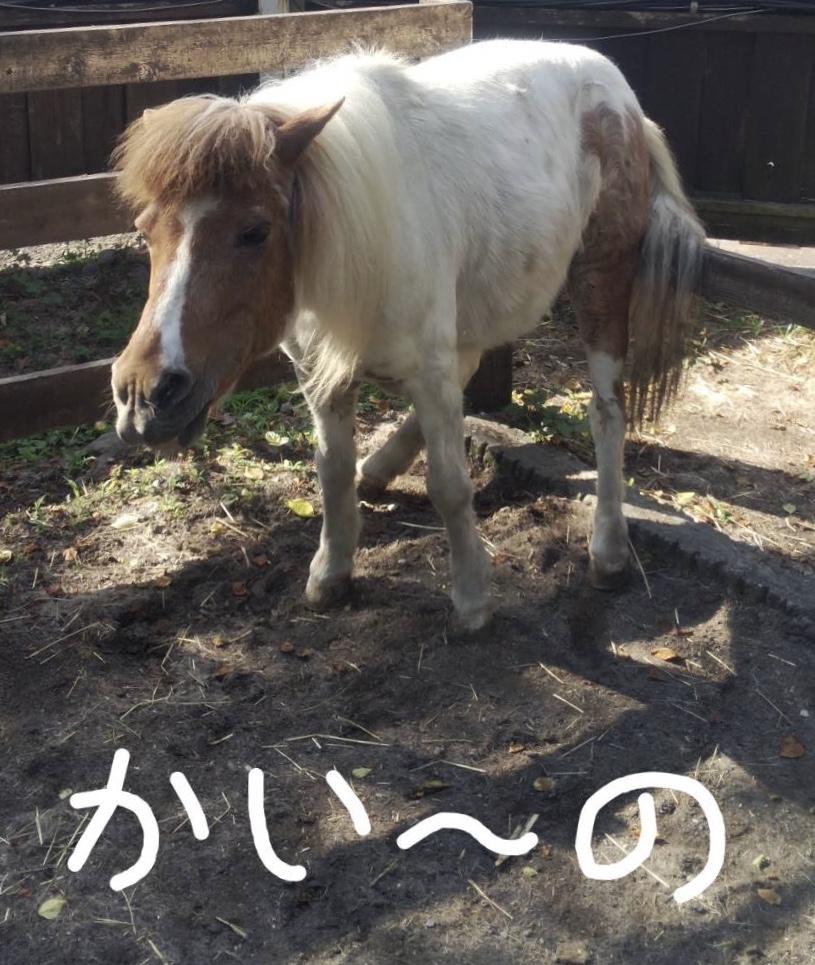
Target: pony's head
215,184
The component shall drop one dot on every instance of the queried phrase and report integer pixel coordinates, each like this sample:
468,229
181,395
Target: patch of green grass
80,309
564,420
67,443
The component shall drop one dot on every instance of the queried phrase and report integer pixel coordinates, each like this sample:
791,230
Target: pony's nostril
172,387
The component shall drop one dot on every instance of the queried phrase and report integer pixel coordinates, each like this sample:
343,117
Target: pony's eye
255,236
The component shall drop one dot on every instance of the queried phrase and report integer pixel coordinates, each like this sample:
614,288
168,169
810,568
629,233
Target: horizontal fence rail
66,209
69,57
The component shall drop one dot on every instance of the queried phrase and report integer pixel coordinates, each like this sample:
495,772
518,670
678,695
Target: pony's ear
293,137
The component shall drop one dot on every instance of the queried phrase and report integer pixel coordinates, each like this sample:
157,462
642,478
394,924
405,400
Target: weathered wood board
88,56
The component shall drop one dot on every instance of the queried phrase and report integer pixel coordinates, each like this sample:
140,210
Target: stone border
740,568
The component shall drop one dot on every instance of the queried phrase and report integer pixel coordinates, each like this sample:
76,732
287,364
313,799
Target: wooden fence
82,207
735,94
68,208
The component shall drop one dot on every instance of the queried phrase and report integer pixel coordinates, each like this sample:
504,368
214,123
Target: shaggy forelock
192,146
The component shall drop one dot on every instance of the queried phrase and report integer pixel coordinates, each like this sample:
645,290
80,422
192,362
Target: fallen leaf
219,641
300,507
791,747
125,521
286,647
529,872
761,862
163,580
665,653
789,508
572,953
223,670
684,499
51,908
71,554
770,895
431,786
304,652
253,472
544,784
360,772
276,439
260,560
6,556
515,748
239,588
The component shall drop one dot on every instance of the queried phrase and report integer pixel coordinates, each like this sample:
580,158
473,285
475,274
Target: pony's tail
663,300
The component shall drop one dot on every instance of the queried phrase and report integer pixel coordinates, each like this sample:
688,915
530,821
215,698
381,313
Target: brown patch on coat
602,274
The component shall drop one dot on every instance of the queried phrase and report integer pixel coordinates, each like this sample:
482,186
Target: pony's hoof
370,490
328,594
609,577
473,618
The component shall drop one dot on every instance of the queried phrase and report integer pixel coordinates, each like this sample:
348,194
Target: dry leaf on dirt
791,747
770,895
6,556
125,521
300,507
665,653
431,786
239,588
544,784
515,748
260,560
254,472
51,908
360,772
162,580
71,554
572,953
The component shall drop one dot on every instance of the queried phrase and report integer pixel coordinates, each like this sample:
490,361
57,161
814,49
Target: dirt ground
155,606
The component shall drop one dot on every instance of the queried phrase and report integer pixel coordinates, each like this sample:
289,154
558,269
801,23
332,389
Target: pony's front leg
330,572
437,398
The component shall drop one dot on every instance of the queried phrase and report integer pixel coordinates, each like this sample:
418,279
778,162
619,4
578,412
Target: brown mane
194,145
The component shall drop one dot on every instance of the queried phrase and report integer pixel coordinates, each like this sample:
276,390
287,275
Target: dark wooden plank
504,18
140,97
808,185
15,164
55,133
43,16
103,119
764,221
723,119
771,291
630,54
63,209
88,56
490,389
79,394
776,133
673,95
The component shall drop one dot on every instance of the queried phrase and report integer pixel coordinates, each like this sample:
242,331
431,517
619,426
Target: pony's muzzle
167,411
172,387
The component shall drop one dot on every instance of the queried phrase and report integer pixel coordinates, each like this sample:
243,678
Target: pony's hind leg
330,572
398,453
393,458
600,294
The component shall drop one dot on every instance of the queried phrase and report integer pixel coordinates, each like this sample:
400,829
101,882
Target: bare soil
155,606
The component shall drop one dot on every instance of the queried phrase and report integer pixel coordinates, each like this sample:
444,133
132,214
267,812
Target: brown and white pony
391,221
